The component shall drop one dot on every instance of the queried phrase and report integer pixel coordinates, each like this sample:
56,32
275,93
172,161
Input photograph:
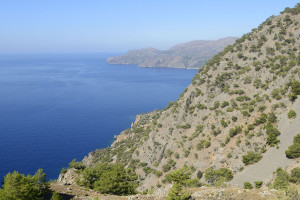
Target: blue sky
118,25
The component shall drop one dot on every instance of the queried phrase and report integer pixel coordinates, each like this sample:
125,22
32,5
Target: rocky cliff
192,54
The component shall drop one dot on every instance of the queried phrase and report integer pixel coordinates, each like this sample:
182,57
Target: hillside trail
273,158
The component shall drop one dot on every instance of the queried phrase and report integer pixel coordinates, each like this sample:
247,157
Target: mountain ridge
191,54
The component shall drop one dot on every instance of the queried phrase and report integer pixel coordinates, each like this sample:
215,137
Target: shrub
247,185
184,126
234,118
76,165
63,171
203,144
167,167
109,179
182,176
234,131
296,87
258,184
199,174
251,157
218,177
295,175
292,114
224,104
282,179
262,119
272,117
158,173
272,140
293,151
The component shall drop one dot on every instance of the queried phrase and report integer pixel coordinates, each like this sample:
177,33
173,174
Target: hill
192,54
233,123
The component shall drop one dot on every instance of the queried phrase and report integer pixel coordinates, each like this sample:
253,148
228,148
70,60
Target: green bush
294,150
199,174
224,104
218,177
258,184
234,118
251,157
296,87
203,144
167,167
109,179
63,170
262,119
272,140
182,176
247,185
77,165
184,126
292,114
282,180
295,175
234,131
18,186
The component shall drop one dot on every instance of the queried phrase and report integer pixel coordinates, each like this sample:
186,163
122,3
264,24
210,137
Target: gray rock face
67,178
192,54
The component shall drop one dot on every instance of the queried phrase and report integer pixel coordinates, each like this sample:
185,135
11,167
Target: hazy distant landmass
192,54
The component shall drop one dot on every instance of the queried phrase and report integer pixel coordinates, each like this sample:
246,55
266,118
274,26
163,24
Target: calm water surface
54,108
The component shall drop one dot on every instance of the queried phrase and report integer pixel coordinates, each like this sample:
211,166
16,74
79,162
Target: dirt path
273,158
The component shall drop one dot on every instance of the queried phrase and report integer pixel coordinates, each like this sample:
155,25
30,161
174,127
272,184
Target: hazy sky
119,25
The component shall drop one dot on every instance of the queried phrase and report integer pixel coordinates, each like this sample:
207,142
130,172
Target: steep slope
192,54
232,107
273,158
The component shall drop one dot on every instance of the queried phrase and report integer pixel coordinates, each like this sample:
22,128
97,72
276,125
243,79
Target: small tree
180,177
176,193
294,150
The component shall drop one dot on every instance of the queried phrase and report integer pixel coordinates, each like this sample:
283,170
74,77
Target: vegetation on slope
227,117
294,150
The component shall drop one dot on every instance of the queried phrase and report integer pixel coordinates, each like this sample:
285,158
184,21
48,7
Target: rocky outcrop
68,178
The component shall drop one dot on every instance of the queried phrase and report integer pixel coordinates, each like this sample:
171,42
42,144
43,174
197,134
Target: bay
56,107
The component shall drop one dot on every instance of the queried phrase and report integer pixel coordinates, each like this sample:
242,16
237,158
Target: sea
59,107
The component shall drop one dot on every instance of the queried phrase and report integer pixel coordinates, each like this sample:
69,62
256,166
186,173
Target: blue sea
57,107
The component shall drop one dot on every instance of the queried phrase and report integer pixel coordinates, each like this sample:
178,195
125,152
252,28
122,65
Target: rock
67,178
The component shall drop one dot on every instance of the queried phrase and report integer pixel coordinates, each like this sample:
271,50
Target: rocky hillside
192,54
241,112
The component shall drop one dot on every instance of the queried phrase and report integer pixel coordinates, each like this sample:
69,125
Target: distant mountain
192,54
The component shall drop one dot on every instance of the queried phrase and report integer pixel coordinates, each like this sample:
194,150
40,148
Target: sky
53,26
